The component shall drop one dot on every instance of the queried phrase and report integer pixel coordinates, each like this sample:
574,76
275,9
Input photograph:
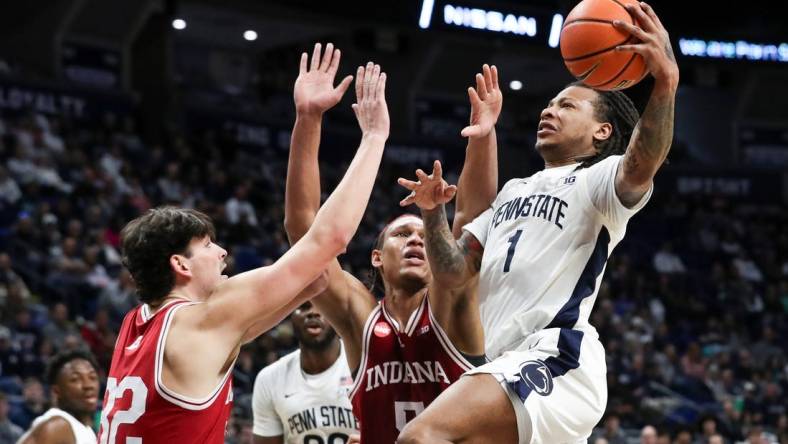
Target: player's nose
415,239
546,113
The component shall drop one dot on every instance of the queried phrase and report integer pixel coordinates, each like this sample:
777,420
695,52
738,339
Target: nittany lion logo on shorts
537,377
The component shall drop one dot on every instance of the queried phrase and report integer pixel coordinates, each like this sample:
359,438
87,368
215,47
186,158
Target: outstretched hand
486,102
314,91
370,107
654,43
429,191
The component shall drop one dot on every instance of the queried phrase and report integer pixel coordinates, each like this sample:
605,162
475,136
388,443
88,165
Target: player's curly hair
617,109
149,241
60,360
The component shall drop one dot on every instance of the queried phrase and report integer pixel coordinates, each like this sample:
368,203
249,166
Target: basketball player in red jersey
169,380
408,348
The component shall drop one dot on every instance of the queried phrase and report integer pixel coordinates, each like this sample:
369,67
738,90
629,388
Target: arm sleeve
601,183
266,421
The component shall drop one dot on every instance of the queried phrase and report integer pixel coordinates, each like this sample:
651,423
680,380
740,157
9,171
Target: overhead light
516,85
250,35
179,24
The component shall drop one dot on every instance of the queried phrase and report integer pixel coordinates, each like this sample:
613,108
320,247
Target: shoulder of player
605,163
56,429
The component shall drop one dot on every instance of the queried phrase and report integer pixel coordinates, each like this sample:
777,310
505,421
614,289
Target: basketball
588,42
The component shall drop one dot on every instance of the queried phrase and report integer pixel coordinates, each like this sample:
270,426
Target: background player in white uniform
540,253
74,383
303,397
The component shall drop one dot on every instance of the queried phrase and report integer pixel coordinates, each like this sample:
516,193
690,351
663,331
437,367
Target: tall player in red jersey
408,348
169,381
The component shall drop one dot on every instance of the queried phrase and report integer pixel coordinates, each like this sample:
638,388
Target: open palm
314,91
486,102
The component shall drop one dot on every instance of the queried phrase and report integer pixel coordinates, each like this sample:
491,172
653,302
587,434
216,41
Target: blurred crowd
691,311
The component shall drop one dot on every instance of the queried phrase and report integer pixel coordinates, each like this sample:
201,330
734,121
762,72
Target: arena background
107,109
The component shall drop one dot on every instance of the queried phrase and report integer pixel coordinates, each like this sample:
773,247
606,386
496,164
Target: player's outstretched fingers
408,200
488,82
380,94
481,87
650,11
302,64
327,55
437,170
408,184
449,191
494,70
315,57
360,73
423,177
368,78
334,65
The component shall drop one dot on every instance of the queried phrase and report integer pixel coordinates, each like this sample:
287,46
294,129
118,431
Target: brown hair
149,241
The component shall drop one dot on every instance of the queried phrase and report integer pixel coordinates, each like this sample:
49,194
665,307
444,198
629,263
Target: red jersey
137,405
401,371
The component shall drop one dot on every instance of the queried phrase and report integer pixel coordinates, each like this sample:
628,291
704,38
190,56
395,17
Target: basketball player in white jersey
540,253
303,397
74,382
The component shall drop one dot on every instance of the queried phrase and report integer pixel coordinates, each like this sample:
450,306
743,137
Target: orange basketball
588,42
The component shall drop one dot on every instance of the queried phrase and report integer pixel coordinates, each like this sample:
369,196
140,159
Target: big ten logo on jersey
569,180
322,417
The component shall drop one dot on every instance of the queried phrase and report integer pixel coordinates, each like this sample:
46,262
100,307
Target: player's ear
180,265
603,131
376,258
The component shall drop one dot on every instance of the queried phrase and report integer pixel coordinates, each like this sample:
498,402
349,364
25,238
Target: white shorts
556,380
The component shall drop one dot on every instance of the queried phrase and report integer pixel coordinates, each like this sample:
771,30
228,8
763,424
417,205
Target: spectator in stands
715,439
59,327
611,431
666,261
9,432
648,435
33,403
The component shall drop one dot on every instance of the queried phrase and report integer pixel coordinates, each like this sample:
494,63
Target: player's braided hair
617,109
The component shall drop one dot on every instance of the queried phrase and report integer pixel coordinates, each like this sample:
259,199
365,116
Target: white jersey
82,433
546,242
304,408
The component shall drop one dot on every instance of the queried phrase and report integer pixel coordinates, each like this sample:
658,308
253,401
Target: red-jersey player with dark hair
170,376
409,347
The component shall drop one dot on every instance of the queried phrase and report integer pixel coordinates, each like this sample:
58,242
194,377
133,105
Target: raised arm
314,94
653,134
453,262
478,183
256,294
344,301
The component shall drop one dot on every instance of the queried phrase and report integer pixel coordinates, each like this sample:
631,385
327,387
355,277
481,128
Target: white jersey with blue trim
304,408
546,242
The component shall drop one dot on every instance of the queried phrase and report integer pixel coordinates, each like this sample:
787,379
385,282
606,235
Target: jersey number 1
510,254
139,393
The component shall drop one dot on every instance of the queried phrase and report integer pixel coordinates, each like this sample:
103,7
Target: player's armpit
346,304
